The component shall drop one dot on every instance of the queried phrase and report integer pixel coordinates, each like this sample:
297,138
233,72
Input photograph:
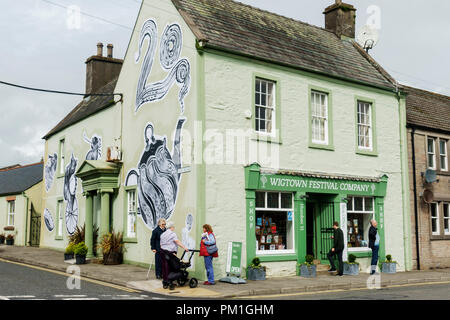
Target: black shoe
172,287
339,274
332,270
372,272
158,277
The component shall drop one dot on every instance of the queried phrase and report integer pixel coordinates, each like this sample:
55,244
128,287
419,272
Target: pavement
136,278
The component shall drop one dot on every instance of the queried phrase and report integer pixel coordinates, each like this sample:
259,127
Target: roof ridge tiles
24,166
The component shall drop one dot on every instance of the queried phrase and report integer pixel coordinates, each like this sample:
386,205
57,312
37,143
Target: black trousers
331,255
158,264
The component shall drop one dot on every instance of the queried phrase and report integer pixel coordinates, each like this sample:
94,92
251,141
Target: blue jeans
209,268
374,256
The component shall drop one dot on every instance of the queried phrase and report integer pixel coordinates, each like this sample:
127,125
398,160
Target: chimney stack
110,50
101,70
340,18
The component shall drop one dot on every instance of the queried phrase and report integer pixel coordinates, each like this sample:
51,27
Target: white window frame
59,208
131,212
62,144
279,209
362,125
433,167
353,211
11,213
317,117
438,232
443,155
446,205
266,107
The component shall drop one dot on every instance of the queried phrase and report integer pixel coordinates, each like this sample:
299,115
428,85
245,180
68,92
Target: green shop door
325,219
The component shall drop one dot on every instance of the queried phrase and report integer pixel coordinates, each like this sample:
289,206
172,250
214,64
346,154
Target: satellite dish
428,196
367,37
430,176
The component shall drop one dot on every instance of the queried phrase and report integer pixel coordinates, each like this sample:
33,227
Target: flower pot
308,271
2,240
256,274
10,242
68,256
387,267
113,258
80,259
351,269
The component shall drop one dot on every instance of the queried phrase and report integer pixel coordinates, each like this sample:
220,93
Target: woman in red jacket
208,239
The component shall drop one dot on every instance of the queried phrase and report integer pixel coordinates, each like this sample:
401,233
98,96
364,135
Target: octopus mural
48,219
70,189
50,169
95,153
178,69
157,176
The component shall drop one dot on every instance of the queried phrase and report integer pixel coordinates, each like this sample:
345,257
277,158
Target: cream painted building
264,127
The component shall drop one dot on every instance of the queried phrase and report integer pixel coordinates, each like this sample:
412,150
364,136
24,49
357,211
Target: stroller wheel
193,283
181,282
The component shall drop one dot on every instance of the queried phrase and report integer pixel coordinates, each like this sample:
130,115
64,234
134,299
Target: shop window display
274,222
359,213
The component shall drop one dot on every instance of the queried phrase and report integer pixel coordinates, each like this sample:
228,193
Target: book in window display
272,247
269,238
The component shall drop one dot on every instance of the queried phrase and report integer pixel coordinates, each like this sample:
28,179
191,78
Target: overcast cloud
39,49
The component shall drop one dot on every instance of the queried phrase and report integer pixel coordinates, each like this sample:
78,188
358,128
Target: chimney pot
110,50
100,49
340,19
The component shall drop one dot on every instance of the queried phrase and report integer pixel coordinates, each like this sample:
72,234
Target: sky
44,45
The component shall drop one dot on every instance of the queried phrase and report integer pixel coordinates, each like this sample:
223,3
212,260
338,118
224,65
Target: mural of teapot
158,176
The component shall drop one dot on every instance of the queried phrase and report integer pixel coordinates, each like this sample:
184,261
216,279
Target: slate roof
86,108
245,30
19,179
427,109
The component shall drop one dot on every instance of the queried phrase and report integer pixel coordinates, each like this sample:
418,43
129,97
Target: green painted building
266,128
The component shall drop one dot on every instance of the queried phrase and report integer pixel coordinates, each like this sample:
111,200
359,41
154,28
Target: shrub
9,237
2,237
256,263
352,259
309,260
81,249
111,242
70,248
79,236
388,258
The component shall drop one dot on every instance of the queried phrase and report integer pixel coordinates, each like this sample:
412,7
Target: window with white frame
365,126
274,222
431,154
319,117
265,106
131,213
11,212
360,210
446,211
434,208
443,154
61,156
60,217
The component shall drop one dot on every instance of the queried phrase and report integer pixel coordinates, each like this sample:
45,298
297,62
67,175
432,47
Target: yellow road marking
105,284
341,290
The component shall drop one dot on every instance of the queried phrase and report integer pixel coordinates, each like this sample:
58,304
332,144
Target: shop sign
275,182
234,258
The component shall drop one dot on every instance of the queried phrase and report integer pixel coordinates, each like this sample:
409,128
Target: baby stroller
178,270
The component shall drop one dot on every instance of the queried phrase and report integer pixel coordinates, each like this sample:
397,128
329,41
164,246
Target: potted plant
351,267
256,271
10,239
80,251
68,254
112,248
389,266
308,268
2,238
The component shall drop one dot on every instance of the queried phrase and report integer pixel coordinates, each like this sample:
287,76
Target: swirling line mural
95,153
48,219
50,169
170,50
70,189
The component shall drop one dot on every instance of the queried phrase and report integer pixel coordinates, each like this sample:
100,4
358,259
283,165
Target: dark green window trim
58,169
59,202
374,151
365,254
125,216
260,136
330,145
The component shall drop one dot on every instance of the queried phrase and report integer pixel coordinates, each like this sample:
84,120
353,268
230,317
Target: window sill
367,153
58,238
130,240
360,253
441,237
287,255
60,175
327,147
266,138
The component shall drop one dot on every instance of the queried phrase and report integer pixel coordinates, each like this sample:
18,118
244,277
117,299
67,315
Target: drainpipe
26,219
416,218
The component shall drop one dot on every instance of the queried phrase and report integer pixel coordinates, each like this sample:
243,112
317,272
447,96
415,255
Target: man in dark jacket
156,247
338,248
374,244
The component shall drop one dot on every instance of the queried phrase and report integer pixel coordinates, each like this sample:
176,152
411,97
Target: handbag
212,248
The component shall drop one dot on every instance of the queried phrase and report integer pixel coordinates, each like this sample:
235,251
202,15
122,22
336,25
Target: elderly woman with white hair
169,245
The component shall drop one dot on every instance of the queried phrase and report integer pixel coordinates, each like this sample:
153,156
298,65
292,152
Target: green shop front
290,213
